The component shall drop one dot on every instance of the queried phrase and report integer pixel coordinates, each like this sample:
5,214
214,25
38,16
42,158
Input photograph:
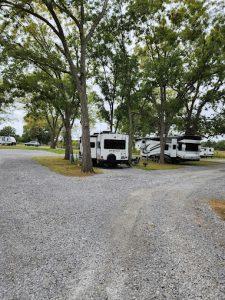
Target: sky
15,116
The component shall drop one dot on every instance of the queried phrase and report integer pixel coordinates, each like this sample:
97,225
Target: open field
62,166
45,148
124,234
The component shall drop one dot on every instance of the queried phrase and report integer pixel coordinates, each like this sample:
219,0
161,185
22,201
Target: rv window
166,147
114,144
174,147
192,147
92,144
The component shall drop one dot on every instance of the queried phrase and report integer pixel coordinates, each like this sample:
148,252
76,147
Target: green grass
45,148
219,154
152,166
62,166
201,163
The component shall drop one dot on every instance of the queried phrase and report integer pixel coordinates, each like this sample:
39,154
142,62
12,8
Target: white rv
177,148
7,140
207,152
107,147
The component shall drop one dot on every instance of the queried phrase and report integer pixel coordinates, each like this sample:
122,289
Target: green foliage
8,131
36,128
217,145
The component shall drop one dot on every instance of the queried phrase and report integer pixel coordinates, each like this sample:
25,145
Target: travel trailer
206,152
108,147
177,148
7,140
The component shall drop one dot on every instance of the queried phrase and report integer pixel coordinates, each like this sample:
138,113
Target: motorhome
108,147
7,140
206,152
177,148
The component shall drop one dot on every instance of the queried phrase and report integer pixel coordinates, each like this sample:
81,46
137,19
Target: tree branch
97,21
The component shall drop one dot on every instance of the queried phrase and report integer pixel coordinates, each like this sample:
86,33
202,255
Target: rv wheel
111,159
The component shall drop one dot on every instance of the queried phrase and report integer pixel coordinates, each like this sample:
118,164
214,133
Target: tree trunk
131,133
111,117
86,158
53,139
162,124
53,143
87,165
68,139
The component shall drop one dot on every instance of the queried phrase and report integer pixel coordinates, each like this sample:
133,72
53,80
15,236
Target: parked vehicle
33,143
177,148
206,152
108,147
7,140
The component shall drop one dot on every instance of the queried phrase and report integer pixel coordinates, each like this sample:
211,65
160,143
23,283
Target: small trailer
206,152
177,148
7,140
107,147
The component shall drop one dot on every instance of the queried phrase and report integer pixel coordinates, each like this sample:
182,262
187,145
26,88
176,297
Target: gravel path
125,234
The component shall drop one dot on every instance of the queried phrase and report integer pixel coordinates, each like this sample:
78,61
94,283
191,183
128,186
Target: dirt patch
219,207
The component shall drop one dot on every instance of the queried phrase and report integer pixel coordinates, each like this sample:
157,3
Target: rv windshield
114,144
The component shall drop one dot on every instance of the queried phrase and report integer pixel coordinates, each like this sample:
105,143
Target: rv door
173,149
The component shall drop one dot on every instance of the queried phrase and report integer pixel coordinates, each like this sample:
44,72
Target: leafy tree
201,86
36,128
160,61
116,71
43,86
8,131
42,109
73,25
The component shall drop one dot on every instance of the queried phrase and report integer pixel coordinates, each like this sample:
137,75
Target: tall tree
47,86
73,25
160,61
116,70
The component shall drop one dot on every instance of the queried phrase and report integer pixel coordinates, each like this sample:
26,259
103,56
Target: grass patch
152,166
219,154
62,166
41,148
201,163
219,207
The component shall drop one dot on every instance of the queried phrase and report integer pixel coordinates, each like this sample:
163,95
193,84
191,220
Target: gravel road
125,234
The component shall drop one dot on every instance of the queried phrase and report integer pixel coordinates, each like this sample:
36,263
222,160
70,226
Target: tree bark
53,142
162,124
131,133
68,138
87,165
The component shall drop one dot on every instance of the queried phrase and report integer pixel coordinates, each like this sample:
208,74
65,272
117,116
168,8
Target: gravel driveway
125,234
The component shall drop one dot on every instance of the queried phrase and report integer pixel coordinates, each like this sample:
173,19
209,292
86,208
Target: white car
33,143
7,140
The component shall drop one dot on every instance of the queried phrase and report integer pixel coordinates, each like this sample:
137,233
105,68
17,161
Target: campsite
112,150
